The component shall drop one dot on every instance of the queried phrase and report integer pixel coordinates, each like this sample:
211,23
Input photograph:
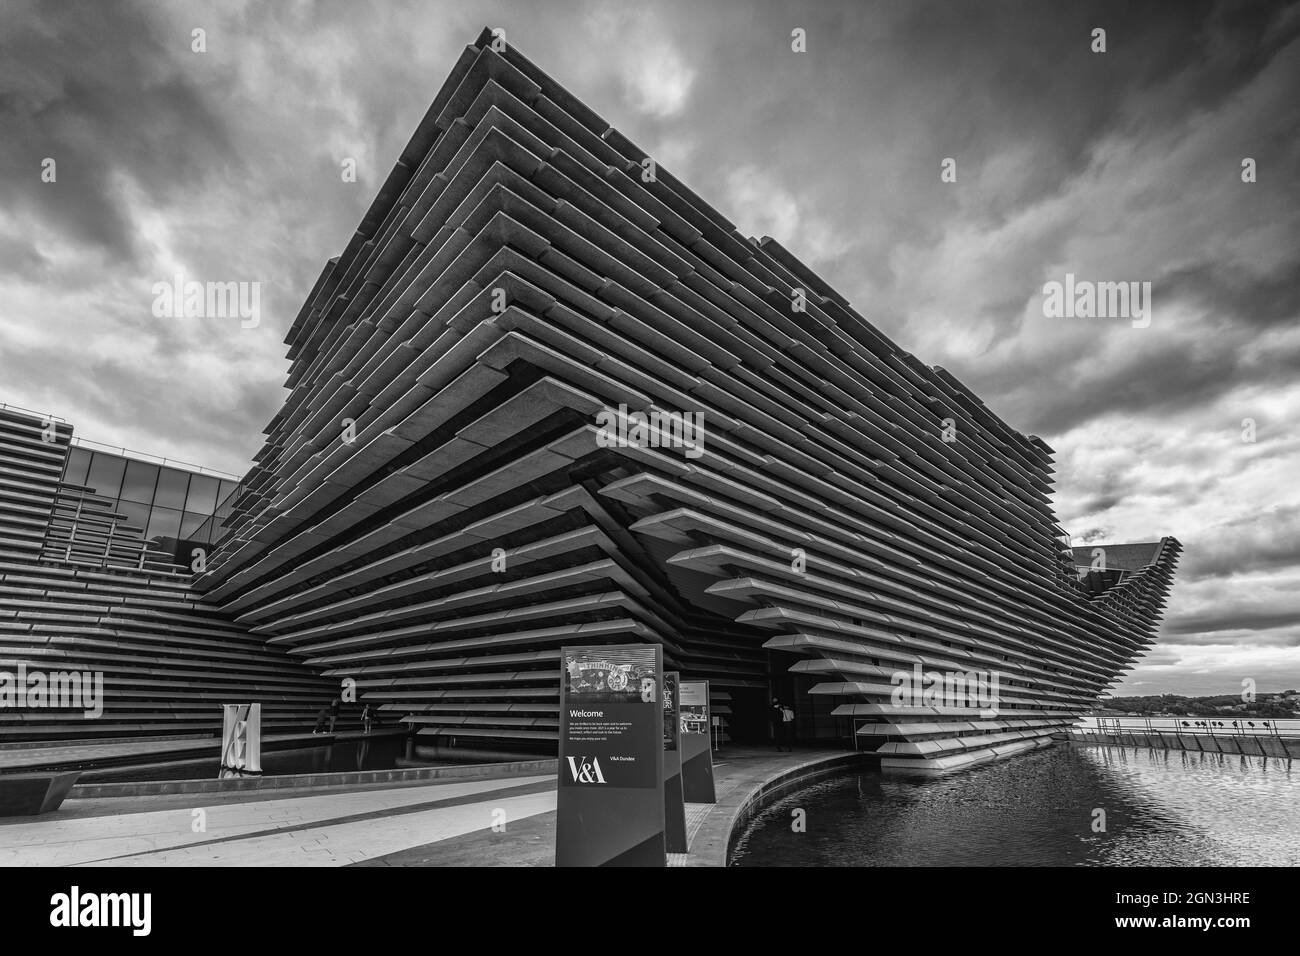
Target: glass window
191,522
228,488
171,488
164,522
105,475
139,482
134,514
203,494
206,530
219,529
78,465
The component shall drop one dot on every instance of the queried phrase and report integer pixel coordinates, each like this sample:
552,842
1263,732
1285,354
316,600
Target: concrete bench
29,794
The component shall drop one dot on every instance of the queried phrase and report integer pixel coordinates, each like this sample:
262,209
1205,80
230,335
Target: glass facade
159,500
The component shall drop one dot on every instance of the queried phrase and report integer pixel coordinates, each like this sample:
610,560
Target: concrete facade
483,457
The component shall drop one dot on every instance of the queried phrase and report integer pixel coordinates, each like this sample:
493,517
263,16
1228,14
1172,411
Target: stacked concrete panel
32,452
437,508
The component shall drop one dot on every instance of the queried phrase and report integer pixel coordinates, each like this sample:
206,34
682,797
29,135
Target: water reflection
1161,808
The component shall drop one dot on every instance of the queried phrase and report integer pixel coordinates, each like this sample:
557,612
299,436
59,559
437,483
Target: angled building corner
547,395
522,277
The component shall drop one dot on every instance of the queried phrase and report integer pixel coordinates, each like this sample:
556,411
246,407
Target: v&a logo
584,770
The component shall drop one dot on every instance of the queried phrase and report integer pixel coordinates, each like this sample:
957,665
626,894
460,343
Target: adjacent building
96,582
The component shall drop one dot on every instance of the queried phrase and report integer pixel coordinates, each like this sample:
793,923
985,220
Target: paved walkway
504,821
329,829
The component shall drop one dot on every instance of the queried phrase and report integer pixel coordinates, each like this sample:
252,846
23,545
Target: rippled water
1162,808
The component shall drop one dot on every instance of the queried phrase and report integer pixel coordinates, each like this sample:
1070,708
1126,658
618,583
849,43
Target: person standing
782,724
367,714
335,704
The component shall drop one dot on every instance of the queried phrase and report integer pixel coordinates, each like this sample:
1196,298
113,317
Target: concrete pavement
508,820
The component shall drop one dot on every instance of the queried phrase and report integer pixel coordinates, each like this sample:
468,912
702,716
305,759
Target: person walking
335,704
322,718
367,714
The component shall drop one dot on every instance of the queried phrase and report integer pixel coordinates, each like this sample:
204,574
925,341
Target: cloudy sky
1123,165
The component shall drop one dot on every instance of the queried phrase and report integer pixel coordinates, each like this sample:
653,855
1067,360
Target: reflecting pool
1061,806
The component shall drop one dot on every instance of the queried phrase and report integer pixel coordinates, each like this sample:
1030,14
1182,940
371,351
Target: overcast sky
1125,165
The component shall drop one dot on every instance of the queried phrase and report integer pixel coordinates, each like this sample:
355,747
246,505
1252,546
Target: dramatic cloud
1123,166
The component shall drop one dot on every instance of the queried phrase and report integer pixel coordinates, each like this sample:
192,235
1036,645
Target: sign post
697,755
609,805
674,803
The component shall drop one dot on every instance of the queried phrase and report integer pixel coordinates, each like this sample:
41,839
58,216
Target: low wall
353,778
713,842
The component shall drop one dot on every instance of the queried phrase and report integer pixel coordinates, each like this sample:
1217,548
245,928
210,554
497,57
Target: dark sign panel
674,803
670,711
696,749
609,808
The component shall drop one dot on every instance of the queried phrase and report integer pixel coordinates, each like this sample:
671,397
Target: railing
32,411
125,452
155,459
1206,726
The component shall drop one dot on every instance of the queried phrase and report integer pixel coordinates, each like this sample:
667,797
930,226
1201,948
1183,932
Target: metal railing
154,459
125,452
32,411
1205,726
